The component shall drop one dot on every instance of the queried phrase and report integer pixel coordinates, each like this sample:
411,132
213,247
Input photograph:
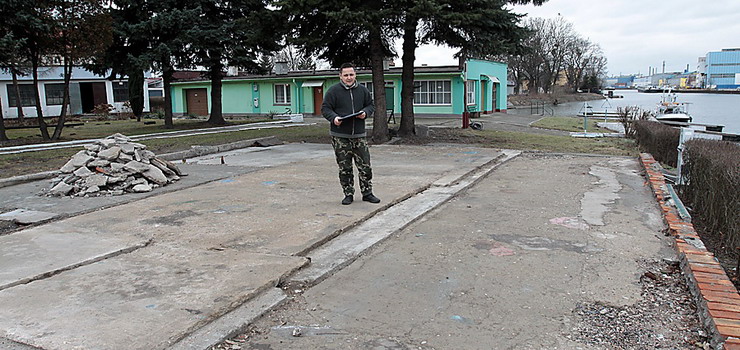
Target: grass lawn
33,162
101,129
530,142
573,124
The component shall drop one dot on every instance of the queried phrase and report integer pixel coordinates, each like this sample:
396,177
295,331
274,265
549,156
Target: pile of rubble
113,166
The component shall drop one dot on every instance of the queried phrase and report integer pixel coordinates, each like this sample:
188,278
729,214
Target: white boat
670,110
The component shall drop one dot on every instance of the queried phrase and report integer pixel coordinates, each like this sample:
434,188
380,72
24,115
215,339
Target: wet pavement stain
175,219
545,244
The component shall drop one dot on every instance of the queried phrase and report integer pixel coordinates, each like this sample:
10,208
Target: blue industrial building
723,69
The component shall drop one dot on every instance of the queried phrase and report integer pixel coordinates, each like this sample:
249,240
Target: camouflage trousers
356,149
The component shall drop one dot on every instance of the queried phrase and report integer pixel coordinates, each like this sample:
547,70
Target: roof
329,73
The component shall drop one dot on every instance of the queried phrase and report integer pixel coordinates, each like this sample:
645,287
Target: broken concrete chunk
97,180
83,172
99,163
110,153
155,175
92,189
128,148
78,160
106,143
93,147
142,188
119,137
162,166
61,189
125,157
116,167
146,154
136,167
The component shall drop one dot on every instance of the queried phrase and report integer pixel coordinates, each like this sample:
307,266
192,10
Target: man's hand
362,115
337,121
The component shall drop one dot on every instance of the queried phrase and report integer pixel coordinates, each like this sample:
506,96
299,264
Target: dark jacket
340,101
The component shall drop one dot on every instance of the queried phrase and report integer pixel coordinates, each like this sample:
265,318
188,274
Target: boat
670,110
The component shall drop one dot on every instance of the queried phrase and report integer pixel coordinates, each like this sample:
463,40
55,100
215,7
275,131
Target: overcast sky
636,34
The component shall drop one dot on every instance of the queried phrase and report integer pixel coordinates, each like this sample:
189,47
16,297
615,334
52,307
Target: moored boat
670,110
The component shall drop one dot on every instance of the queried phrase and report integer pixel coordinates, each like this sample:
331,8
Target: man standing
348,134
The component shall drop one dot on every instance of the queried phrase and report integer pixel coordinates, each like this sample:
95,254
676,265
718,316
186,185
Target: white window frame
423,93
470,91
286,90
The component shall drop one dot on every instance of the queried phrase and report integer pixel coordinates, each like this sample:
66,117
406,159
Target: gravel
664,318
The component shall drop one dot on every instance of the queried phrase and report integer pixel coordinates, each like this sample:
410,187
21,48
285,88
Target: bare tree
296,58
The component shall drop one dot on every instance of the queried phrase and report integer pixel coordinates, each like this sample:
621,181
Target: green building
440,91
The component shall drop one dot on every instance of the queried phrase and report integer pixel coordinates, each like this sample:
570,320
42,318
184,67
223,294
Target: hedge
712,169
658,139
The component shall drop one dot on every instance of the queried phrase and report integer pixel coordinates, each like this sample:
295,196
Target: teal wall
239,95
478,70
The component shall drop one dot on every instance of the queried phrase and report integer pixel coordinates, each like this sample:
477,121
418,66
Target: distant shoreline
691,91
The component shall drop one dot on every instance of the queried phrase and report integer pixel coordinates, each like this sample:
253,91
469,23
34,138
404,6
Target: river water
721,109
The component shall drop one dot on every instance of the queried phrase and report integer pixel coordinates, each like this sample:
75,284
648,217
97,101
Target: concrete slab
148,299
26,216
46,250
280,211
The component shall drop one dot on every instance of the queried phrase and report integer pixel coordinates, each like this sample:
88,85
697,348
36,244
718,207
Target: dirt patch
664,318
7,226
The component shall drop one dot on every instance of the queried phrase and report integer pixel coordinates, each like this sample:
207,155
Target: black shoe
347,200
370,198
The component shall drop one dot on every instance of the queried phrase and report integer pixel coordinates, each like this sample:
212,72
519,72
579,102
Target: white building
86,91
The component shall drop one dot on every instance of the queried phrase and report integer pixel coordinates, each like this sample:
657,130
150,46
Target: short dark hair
346,65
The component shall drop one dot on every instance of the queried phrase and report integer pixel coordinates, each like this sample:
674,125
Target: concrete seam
55,272
475,177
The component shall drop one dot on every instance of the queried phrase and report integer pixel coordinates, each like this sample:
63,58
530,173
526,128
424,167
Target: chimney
281,68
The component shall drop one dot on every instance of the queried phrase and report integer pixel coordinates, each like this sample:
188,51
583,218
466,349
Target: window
470,92
120,91
26,92
433,92
369,86
282,94
725,75
54,94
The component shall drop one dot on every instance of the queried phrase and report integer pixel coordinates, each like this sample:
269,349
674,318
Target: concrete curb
194,151
716,297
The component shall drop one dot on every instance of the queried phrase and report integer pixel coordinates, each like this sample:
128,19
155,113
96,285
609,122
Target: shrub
658,139
628,116
713,190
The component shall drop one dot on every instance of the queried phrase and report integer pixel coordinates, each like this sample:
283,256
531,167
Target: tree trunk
216,117
65,99
407,127
166,80
37,96
17,94
3,136
380,119
136,92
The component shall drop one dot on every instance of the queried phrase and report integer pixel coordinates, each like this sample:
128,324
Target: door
483,85
318,99
494,87
390,104
91,95
196,102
